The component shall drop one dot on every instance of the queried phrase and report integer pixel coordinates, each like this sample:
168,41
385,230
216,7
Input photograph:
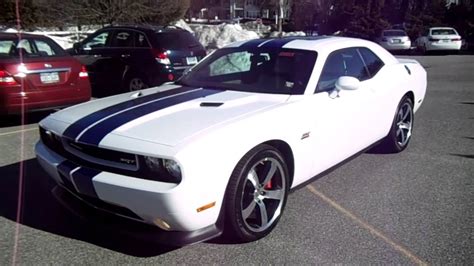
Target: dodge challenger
220,149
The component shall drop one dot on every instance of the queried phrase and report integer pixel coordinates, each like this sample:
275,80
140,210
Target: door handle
125,56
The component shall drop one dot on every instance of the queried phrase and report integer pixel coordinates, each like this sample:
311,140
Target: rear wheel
136,84
256,194
402,126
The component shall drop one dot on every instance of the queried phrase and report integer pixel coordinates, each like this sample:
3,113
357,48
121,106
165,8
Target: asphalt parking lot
415,207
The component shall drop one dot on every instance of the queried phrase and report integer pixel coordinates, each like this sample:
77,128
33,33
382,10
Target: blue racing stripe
253,43
278,43
77,127
95,134
82,178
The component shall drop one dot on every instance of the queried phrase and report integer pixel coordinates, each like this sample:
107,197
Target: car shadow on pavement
40,210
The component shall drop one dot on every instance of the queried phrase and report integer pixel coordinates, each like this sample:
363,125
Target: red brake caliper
268,185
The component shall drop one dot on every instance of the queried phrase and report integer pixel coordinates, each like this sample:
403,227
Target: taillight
456,39
83,73
432,40
162,58
6,78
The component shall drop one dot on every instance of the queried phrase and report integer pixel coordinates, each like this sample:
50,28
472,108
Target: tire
400,133
135,83
255,199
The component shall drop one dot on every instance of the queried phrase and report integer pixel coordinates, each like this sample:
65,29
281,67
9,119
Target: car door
121,57
94,53
344,120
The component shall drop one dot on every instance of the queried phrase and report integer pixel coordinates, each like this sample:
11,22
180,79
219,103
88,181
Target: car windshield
390,33
12,48
278,71
443,32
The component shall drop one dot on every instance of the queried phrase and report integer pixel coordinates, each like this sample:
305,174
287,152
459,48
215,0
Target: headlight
172,167
164,169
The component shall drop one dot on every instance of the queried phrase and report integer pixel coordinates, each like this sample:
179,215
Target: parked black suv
124,58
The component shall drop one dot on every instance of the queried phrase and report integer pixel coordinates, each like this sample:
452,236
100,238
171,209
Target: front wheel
402,126
256,194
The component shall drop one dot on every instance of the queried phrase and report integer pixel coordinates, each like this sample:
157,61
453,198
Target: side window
231,63
141,40
44,48
25,46
371,60
122,38
345,62
99,40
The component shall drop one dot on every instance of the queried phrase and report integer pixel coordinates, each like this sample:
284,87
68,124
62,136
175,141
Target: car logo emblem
48,65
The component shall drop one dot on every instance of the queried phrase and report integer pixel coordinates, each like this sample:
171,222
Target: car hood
164,120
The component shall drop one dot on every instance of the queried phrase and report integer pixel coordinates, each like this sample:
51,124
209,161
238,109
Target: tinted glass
345,62
97,41
443,32
141,40
123,38
373,62
279,71
390,33
30,48
176,40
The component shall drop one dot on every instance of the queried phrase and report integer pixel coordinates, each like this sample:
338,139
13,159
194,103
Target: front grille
103,159
114,158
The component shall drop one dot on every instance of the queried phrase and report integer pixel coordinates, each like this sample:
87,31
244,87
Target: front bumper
133,198
91,213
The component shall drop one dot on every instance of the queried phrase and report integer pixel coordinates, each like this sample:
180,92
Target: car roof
314,43
146,28
323,45
441,28
14,35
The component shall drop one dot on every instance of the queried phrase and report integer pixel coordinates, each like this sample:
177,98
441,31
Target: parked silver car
394,40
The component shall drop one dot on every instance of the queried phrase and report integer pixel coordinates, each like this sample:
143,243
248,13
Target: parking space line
367,226
18,131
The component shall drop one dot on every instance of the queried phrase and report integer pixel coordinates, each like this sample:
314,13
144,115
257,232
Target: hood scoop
211,104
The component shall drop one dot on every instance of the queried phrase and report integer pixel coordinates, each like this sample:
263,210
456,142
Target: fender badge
305,135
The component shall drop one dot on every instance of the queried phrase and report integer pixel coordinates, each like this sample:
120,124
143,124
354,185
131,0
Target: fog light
162,224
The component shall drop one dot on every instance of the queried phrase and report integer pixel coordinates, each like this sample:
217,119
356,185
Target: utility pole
280,17
232,9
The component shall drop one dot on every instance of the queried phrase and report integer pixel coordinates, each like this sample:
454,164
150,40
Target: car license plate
446,40
191,60
51,77
397,41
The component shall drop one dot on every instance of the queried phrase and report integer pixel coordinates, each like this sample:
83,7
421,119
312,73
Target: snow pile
217,36
183,25
261,29
287,34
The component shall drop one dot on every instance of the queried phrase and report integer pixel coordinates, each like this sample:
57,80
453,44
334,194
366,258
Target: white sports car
230,139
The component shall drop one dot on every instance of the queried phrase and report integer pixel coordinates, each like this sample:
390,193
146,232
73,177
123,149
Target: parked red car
37,73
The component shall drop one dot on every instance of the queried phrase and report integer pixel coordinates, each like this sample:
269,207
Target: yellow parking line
18,131
367,226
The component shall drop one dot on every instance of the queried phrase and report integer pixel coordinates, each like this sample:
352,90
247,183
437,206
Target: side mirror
347,83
